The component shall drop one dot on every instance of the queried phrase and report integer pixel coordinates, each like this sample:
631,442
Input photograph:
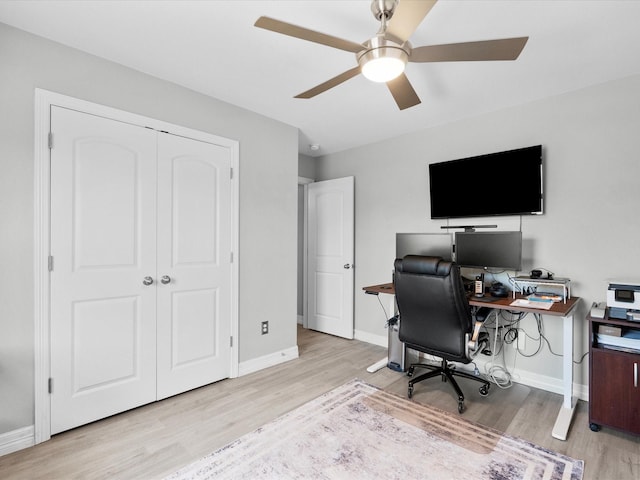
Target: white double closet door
141,279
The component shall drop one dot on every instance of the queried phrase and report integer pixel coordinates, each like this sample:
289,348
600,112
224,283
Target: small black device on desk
497,289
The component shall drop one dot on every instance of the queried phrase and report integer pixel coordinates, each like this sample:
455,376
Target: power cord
496,373
386,315
512,336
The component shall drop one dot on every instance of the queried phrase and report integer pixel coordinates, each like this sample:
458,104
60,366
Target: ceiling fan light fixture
382,69
383,61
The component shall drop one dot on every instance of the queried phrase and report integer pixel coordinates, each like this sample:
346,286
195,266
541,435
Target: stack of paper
629,340
523,302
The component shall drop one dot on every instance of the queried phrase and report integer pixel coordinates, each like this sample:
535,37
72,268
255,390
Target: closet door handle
635,374
147,281
165,279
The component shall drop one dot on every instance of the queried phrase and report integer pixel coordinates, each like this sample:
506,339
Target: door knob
347,266
147,281
165,279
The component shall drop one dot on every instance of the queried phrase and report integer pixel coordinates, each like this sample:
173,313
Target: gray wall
590,228
306,166
268,197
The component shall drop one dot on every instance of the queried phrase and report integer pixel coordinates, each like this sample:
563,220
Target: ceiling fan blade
408,15
323,87
403,93
306,34
503,49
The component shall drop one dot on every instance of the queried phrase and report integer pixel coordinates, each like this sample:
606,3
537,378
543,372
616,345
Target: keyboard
485,299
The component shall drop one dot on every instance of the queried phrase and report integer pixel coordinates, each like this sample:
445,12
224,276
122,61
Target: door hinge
50,263
231,257
231,173
231,341
50,385
50,140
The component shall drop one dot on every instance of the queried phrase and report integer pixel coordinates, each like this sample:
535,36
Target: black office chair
435,318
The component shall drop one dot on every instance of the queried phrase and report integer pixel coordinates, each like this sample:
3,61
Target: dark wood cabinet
614,381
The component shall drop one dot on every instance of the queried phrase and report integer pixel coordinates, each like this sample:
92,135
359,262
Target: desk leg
384,361
563,422
378,365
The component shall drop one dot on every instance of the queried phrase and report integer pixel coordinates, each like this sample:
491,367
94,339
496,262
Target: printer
623,300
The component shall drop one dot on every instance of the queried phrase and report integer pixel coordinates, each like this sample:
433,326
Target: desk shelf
563,283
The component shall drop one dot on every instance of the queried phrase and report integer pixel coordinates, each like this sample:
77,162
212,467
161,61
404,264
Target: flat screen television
503,183
495,250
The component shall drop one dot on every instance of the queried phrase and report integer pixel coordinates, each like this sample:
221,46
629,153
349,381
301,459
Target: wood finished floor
153,441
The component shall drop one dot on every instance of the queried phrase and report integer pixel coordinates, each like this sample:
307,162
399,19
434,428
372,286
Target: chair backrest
434,311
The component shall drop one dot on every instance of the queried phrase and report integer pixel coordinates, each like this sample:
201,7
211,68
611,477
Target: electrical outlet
265,328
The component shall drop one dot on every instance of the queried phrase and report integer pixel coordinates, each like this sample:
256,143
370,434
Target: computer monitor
496,250
430,244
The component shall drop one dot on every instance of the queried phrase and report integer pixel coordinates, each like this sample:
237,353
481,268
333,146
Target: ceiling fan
383,57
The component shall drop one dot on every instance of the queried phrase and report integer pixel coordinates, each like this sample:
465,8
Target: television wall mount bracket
469,228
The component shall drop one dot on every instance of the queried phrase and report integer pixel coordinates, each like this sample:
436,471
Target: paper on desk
523,302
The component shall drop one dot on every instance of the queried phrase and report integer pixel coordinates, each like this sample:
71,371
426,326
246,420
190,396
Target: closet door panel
103,234
195,211
194,259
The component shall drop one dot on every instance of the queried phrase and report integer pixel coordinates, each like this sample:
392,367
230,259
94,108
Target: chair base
447,372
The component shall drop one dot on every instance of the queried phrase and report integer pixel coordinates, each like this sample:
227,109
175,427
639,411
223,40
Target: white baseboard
380,340
300,319
17,440
532,379
266,361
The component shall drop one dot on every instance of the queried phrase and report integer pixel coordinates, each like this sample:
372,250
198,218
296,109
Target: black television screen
468,187
501,250
430,244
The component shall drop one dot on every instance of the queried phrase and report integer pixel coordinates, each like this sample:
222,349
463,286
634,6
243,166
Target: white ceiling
212,47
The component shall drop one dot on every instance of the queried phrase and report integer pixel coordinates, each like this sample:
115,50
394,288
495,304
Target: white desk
386,288
559,309
565,311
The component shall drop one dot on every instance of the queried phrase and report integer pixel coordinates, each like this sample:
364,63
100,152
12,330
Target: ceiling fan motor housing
385,8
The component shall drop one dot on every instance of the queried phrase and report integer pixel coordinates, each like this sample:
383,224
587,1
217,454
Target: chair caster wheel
460,407
410,391
410,372
594,427
484,390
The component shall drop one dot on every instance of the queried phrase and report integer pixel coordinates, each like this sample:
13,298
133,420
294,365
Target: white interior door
103,318
194,264
141,286
330,275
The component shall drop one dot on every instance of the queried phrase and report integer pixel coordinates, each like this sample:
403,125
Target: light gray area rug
496,410
358,431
